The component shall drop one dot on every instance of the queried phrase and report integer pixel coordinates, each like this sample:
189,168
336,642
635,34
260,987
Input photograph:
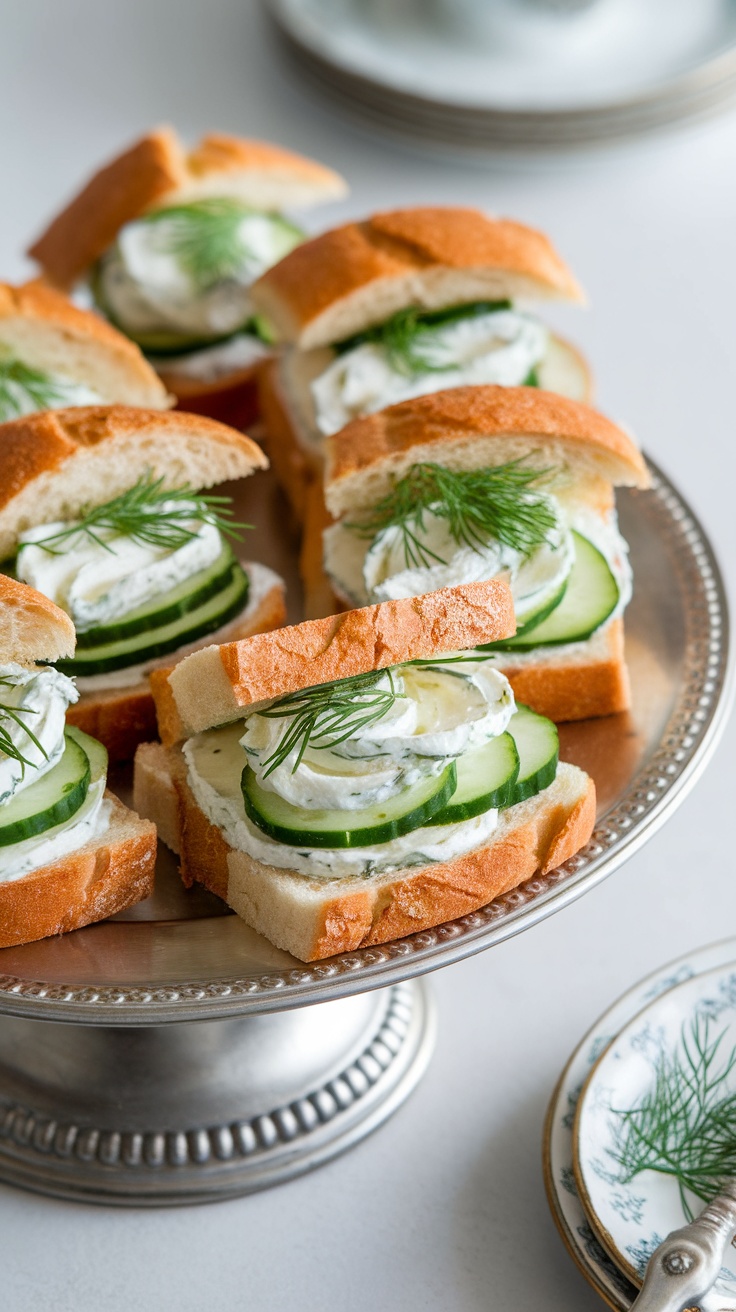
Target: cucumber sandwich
349,780
54,355
494,482
400,305
171,239
70,852
102,509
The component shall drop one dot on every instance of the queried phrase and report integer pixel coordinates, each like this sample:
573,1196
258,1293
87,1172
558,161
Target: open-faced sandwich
170,240
54,355
70,852
494,482
350,780
102,510
403,304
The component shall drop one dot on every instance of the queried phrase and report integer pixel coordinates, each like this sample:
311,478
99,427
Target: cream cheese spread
88,823
98,578
37,700
218,361
501,346
24,390
148,286
437,714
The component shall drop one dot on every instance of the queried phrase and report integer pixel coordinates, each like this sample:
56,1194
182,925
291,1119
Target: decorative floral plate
655,1124
582,1242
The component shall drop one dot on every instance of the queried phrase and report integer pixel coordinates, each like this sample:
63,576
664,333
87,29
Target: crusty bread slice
314,918
104,876
358,275
473,428
158,170
214,685
32,628
121,718
54,463
232,399
46,331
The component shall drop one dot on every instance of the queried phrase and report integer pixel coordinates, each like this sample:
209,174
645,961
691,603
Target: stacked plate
640,1113
475,75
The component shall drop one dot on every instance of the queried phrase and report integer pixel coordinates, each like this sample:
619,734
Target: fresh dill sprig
326,715
12,715
205,236
151,513
685,1125
480,506
408,331
24,390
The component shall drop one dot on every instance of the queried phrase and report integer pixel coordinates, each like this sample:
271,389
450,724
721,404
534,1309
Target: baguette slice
158,170
54,463
32,628
313,918
216,684
121,718
358,275
46,331
104,876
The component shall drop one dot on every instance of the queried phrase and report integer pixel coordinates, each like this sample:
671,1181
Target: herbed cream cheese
148,287
36,699
25,390
436,716
215,762
88,823
500,346
219,360
366,571
96,579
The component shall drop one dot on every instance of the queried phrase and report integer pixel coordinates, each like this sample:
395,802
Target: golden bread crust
213,685
394,247
394,438
105,876
295,467
158,170
32,628
120,191
577,691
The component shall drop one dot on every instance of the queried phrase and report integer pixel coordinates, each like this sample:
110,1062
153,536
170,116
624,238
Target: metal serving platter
182,956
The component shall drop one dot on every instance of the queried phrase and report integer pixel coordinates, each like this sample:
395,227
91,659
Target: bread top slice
215,685
356,276
46,331
32,628
158,170
473,428
56,462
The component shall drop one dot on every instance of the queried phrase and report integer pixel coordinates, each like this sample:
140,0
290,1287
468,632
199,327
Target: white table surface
443,1209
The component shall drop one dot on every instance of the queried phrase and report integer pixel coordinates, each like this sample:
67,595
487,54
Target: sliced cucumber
165,609
486,777
538,745
591,596
208,617
408,810
547,606
50,801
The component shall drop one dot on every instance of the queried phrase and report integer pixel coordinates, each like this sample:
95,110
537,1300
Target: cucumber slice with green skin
408,810
544,610
538,745
50,801
170,606
212,615
486,777
590,598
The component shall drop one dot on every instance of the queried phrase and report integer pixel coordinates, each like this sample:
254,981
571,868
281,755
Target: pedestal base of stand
187,1113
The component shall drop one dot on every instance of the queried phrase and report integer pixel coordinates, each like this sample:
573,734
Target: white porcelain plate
646,1109
562,1193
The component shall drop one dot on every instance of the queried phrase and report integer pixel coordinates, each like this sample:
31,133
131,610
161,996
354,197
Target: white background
443,1209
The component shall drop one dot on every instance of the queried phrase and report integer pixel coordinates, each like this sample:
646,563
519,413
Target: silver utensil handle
685,1266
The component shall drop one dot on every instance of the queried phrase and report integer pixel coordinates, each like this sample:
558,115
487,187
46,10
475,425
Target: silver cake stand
108,1089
